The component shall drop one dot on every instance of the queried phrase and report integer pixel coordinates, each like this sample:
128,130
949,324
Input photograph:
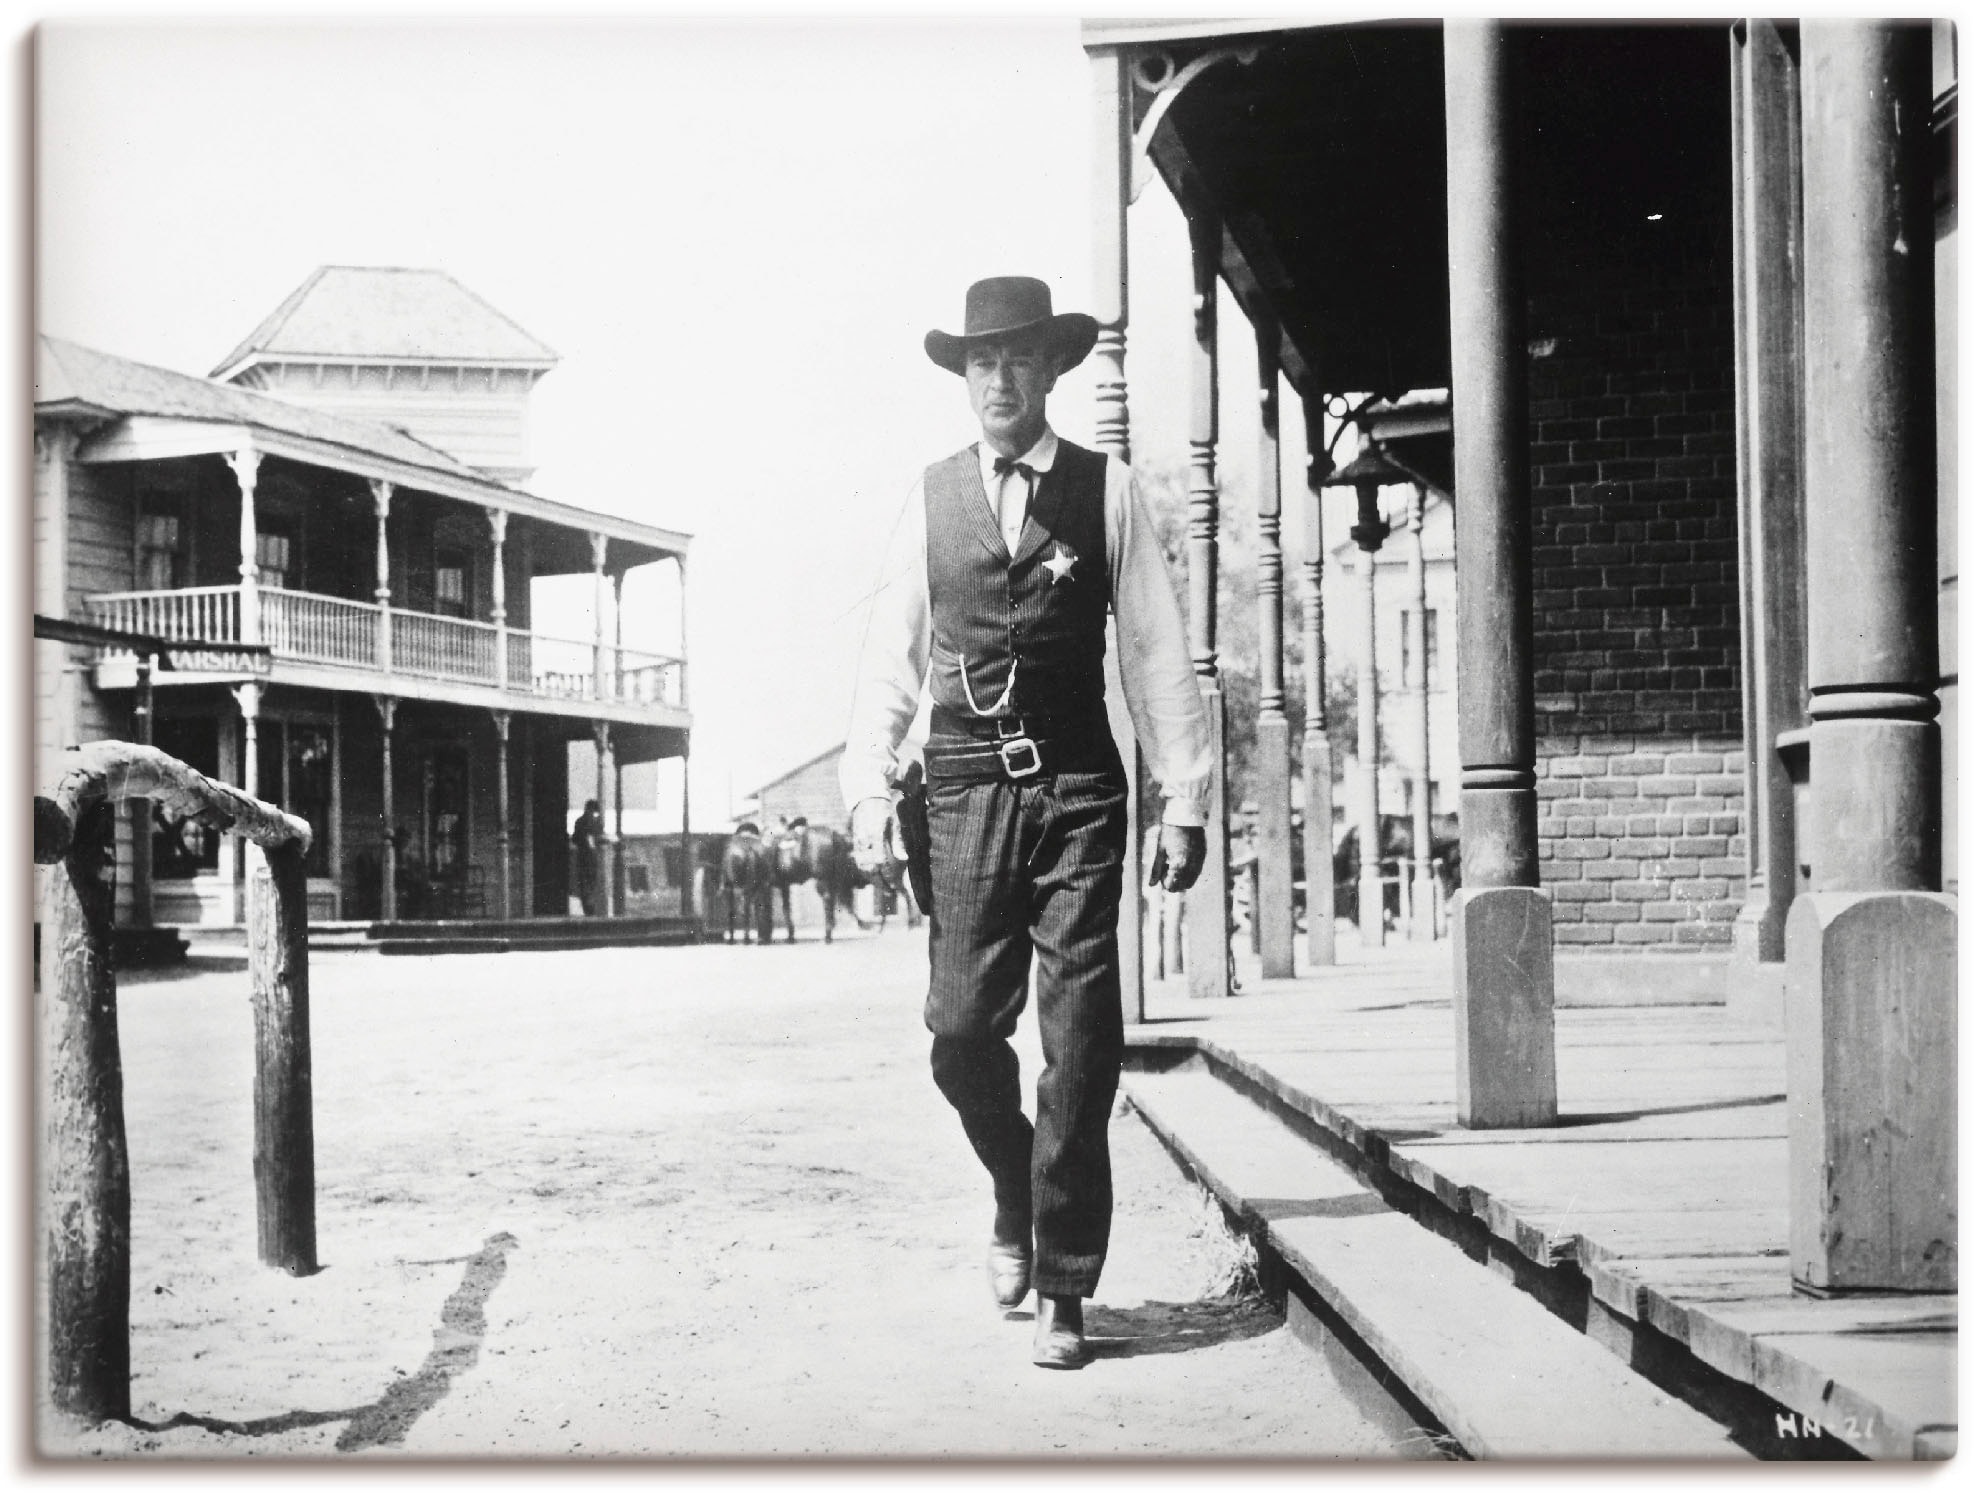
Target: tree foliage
1166,491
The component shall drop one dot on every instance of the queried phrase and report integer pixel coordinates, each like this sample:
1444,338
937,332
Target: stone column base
1502,964
1369,912
1871,1076
1272,913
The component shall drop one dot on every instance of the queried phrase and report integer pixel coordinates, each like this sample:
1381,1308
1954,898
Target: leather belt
1009,752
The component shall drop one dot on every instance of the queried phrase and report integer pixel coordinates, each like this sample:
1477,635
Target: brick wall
1636,622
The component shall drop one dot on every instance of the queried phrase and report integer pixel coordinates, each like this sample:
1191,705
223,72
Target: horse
747,867
1397,849
823,856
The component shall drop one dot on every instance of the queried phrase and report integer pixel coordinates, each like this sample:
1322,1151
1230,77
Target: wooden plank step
1504,1375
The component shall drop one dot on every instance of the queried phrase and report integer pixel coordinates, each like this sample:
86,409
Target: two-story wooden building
344,491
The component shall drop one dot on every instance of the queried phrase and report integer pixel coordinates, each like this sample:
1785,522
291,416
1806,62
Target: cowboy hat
1005,306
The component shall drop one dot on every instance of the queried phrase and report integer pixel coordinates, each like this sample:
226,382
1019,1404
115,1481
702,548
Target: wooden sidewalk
1665,1184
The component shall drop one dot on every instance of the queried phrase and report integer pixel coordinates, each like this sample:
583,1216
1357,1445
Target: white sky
734,234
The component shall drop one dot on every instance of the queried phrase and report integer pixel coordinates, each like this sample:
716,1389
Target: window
274,557
1429,646
450,571
161,552
637,881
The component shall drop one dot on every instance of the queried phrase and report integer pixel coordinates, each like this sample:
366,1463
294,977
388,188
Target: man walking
997,586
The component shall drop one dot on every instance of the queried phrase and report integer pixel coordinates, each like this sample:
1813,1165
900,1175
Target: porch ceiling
1324,159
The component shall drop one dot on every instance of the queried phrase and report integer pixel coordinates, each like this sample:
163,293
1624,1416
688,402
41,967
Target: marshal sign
218,658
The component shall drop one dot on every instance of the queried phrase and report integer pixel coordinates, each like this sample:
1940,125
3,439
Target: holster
911,810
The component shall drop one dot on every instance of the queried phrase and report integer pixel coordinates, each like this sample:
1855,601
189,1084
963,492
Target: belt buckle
1013,749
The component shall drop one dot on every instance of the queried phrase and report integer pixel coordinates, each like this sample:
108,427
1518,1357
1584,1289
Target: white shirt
1163,698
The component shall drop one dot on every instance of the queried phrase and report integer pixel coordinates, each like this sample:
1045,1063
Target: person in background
585,836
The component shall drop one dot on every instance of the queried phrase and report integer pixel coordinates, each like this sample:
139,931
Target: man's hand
872,834
1178,858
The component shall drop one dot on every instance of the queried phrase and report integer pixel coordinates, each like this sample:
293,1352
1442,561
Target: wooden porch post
687,841
388,894
1110,434
502,807
1501,922
381,500
1209,902
498,612
599,586
1272,911
139,810
1767,249
601,739
1369,531
246,464
1871,957
1423,885
247,697
1317,752
680,561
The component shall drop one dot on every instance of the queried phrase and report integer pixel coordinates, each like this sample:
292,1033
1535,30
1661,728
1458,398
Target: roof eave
226,372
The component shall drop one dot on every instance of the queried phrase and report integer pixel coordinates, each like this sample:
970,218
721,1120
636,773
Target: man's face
1008,382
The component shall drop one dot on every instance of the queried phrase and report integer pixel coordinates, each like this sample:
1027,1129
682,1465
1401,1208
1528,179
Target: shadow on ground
385,1421
1175,1326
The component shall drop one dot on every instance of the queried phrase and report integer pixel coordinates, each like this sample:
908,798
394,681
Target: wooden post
85,1191
599,588
284,1136
528,747
381,500
140,808
618,634
1871,951
1272,906
1368,533
681,562
498,528
246,464
1423,881
85,1171
618,893
1767,249
388,894
1209,902
1317,751
1501,923
687,841
502,808
601,740
1110,434
248,698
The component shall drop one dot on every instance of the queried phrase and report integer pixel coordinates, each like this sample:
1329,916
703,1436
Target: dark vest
989,607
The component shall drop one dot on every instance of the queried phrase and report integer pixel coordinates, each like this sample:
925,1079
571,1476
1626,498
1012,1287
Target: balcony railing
328,629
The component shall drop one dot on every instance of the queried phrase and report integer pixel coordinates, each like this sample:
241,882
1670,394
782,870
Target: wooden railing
329,629
85,1165
649,678
210,614
443,647
562,668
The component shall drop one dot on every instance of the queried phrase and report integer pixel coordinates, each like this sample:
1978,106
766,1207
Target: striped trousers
1023,871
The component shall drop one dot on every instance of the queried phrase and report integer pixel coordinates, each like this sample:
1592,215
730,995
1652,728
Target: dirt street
666,1202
